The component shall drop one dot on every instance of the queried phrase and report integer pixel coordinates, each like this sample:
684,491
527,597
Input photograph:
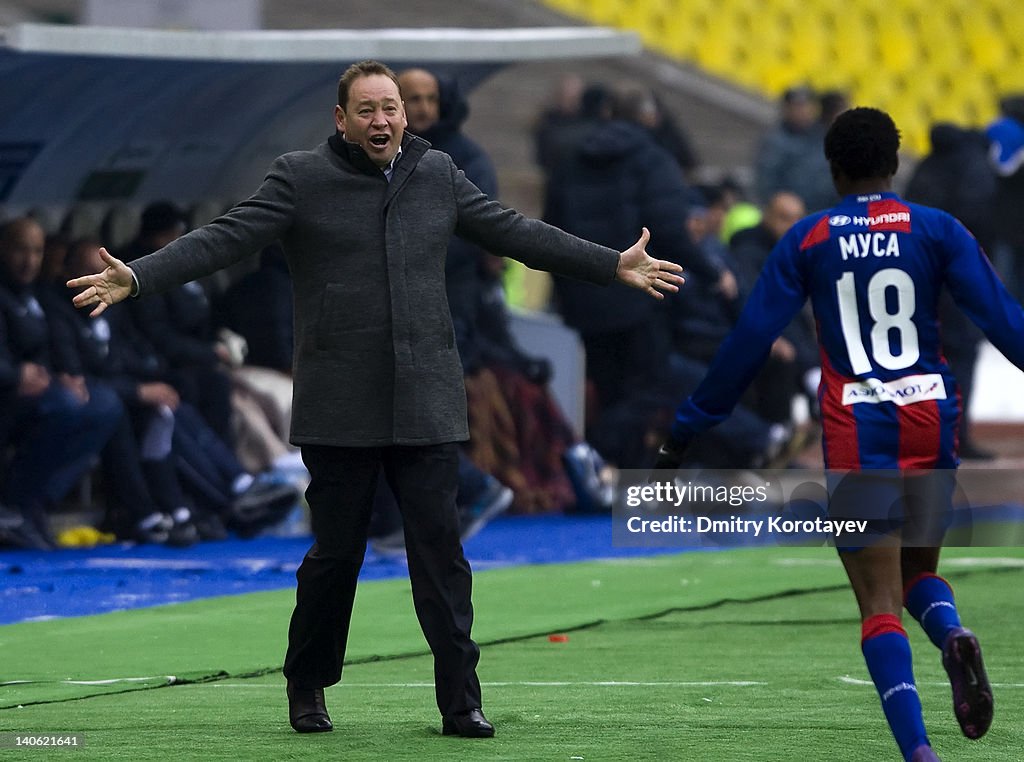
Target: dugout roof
125,115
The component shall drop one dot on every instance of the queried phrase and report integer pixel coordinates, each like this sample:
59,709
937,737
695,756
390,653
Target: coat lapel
413,149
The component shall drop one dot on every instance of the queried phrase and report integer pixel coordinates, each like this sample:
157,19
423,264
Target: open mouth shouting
380,141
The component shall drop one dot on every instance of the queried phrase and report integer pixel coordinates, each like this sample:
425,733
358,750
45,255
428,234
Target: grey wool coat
375,358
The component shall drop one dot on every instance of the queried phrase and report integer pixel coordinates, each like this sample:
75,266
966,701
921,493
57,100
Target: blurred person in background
604,186
831,103
58,423
957,177
1006,146
789,156
178,323
190,475
555,125
642,106
143,500
701,319
792,366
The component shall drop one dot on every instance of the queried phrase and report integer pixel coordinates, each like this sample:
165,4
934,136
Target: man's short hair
362,69
863,143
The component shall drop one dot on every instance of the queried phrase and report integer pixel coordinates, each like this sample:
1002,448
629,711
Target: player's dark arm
776,297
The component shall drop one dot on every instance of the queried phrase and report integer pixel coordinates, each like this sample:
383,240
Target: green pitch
740,655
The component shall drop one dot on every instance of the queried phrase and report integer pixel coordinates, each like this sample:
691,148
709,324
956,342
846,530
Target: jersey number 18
883,321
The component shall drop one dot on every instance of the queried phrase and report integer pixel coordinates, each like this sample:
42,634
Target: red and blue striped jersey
873,267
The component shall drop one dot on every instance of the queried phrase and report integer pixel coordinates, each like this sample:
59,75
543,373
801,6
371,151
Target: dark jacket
616,182
25,334
702,317
789,159
461,269
958,178
109,347
258,307
178,321
750,249
375,357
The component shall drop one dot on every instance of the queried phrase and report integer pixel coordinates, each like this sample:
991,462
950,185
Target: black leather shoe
471,724
307,711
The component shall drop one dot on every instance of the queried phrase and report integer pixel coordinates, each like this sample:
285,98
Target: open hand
640,270
111,286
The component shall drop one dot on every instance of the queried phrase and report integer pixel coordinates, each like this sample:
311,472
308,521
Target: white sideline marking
109,681
857,681
527,684
972,561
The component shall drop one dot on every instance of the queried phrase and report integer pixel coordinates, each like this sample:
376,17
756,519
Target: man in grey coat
365,220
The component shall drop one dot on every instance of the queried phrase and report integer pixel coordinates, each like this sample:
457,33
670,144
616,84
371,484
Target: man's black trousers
340,495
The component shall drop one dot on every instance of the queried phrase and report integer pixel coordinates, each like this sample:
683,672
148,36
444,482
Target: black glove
672,452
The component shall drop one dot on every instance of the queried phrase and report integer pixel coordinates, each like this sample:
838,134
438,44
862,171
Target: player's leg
929,599
927,596
875,577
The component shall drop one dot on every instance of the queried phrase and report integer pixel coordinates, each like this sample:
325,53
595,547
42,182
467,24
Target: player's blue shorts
918,505
868,435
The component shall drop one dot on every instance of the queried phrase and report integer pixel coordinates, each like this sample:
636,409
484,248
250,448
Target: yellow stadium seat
775,76
1008,79
719,50
852,45
920,59
897,48
604,11
808,42
987,49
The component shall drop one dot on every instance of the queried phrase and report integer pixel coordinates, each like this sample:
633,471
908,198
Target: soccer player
873,267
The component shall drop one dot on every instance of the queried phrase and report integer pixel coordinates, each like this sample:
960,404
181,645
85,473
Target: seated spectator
701,318
519,433
258,307
137,458
218,487
178,323
56,423
792,367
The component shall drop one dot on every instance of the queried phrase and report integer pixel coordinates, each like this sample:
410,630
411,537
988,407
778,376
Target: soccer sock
929,599
887,653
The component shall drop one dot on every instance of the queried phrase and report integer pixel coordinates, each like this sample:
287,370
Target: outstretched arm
777,296
640,270
111,286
